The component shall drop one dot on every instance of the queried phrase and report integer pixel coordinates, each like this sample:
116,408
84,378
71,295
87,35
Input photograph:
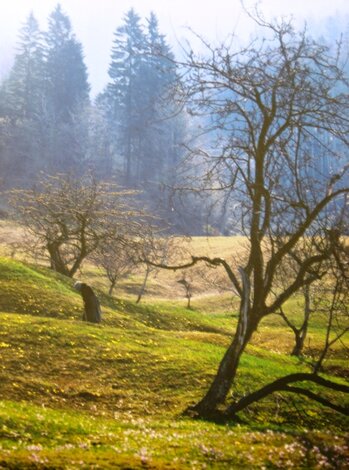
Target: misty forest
174,250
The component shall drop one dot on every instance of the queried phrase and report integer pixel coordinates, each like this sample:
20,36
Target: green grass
46,438
171,315
75,395
31,290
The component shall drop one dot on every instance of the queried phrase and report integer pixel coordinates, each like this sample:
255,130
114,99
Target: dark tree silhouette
92,307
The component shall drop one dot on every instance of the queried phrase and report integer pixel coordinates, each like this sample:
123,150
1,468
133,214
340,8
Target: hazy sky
94,21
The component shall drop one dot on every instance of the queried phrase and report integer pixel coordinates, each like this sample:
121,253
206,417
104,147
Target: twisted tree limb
281,384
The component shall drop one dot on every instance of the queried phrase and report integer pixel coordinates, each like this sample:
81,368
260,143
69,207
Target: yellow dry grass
206,281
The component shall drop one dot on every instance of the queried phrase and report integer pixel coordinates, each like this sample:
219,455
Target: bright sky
94,21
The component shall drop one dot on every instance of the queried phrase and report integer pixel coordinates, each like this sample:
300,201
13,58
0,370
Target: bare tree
300,332
148,270
116,259
69,218
276,110
335,306
333,299
289,269
155,251
188,287
333,303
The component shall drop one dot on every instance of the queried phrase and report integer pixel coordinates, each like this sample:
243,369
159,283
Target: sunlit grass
33,435
76,395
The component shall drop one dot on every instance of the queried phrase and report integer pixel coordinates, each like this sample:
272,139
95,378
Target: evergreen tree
67,93
21,106
137,100
24,86
100,147
125,92
161,123
160,58
67,82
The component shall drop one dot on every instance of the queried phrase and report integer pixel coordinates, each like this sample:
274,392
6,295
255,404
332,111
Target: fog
94,22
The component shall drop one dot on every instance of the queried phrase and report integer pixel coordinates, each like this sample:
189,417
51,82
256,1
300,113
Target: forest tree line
138,132
132,132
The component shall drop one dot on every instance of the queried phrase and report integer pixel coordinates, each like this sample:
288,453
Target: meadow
77,395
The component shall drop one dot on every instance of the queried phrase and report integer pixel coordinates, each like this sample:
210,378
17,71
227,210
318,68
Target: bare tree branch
282,385
205,259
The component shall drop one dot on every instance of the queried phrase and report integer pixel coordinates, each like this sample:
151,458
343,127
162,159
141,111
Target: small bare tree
300,332
289,268
155,250
334,274
333,298
188,287
69,218
116,258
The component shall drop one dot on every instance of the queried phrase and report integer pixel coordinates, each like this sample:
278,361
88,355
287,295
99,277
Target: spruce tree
137,101
25,82
124,92
67,82
160,75
21,107
67,93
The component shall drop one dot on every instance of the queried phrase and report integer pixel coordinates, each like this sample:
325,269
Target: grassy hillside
75,395
161,284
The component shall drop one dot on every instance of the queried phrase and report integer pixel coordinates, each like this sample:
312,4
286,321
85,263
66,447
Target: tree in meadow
275,110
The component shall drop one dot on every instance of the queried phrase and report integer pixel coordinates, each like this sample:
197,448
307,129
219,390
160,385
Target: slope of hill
75,395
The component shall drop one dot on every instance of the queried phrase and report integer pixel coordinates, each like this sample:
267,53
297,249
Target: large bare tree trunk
224,378
142,290
56,261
